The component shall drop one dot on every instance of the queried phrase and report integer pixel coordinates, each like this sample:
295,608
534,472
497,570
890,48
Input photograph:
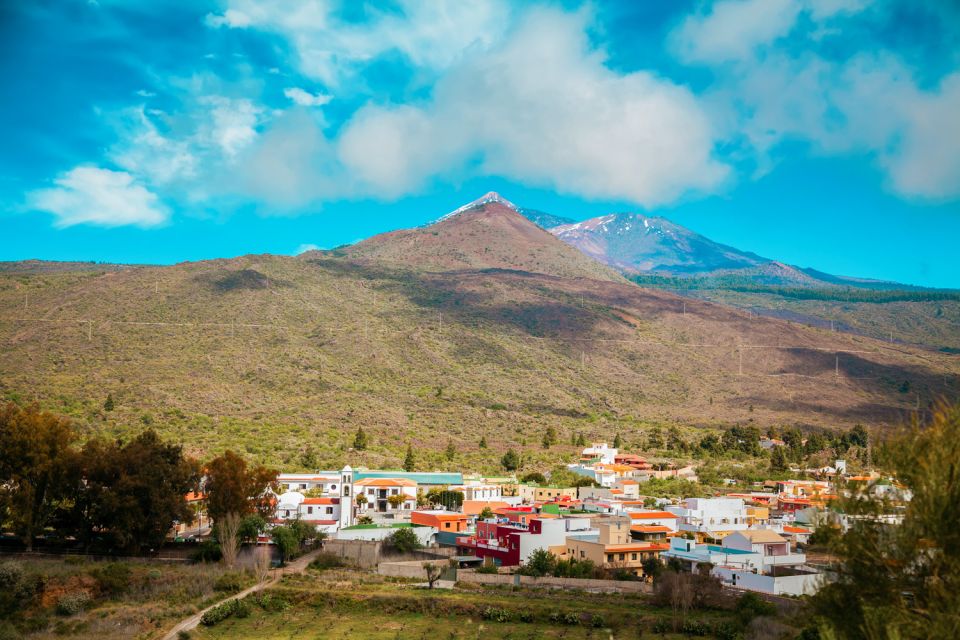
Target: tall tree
360,441
617,441
35,461
451,451
233,486
902,581
778,459
133,491
510,460
409,462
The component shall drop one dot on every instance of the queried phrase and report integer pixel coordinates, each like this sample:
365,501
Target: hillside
285,357
489,233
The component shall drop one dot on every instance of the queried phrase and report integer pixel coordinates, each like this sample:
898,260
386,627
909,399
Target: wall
781,585
408,568
363,553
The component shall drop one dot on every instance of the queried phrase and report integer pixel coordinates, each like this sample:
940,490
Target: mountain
488,233
636,243
480,324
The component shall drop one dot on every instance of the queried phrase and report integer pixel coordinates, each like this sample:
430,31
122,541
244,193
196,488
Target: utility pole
831,326
156,287
740,370
89,330
582,358
684,307
837,366
26,301
441,322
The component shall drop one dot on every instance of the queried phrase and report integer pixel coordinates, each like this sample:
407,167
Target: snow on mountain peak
487,198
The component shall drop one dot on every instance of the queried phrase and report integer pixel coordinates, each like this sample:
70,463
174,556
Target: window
633,556
370,491
609,557
346,491
446,525
303,485
329,510
309,510
333,487
394,492
581,553
623,556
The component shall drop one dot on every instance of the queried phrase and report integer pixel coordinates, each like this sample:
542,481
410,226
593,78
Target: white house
473,490
711,517
599,452
378,493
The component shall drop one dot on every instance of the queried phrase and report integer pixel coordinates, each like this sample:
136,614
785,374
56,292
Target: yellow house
758,515
612,547
532,493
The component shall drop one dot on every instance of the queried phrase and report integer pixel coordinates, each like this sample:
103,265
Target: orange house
440,520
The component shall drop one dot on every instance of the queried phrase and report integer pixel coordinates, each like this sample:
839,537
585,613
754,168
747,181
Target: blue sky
822,133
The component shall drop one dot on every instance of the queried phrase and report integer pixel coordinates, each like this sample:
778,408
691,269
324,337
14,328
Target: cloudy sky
823,133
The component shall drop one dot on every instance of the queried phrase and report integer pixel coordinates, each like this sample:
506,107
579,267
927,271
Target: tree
451,451
549,437
617,441
35,462
286,541
778,460
652,568
409,462
108,403
649,502
251,527
452,500
581,441
396,501
655,439
228,535
483,442
361,499
232,486
133,491
403,540
486,513
510,460
535,477
901,581
540,563
433,572
360,440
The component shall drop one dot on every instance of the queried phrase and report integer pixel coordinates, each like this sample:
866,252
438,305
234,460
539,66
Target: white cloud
91,195
303,248
305,98
430,34
234,122
542,108
732,29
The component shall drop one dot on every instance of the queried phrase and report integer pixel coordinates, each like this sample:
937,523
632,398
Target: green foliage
207,551
495,614
535,477
218,614
251,527
230,582
617,441
403,540
488,568
287,542
452,500
409,462
112,579
540,563
233,486
750,606
108,403
483,442
902,581
451,452
597,621
778,460
652,567
549,437
510,460
360,441
486,513
70,604
326,561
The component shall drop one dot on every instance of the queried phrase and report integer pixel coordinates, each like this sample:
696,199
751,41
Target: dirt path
297,566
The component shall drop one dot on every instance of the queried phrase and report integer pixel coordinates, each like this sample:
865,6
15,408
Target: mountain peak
487,198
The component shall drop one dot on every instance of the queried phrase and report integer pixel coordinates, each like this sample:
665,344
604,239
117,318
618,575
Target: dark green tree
483,442
108,403
540,563
617,441
451,451
403,540
535,477
510,460
134,491
360,441
233,486
581,441
778,460
409,462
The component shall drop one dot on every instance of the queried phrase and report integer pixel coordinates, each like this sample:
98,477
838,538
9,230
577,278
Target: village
750,538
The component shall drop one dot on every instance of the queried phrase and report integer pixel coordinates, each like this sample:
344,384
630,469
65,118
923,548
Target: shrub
750,606
10,575
597,621
71,604
488,568
231,582
269,602
661,626
207,551
727,630
183,635
525,616
403,540
112,579
495,614
326,561
571,618
218,614
695,628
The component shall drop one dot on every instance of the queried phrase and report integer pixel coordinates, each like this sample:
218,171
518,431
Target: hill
285,357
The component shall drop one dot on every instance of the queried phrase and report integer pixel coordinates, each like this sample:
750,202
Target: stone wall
362,553
612,586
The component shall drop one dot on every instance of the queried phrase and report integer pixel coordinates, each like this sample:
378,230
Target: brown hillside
285,357
489,236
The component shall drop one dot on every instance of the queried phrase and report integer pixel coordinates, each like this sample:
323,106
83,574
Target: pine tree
408,462
617,441
510,460
581,441
451,452
108,404
778,459
360,441
483,442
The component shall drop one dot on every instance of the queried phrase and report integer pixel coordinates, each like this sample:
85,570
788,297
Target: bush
269,602
525,616
597,621
207,551
112,579
488,568
231,582
70,604
570,618
183,635
326,561
495,614
695,628
661,626
10,575
218,614
727,630
750,606
403,540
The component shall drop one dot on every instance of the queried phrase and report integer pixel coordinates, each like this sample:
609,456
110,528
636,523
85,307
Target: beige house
612,546
531,493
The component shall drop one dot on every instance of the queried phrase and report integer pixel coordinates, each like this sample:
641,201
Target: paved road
297,566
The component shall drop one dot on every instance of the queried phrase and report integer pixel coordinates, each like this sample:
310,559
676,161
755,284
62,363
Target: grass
152,597
342,604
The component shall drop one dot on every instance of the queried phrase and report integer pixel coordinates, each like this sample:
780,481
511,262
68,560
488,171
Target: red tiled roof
650,515
321,501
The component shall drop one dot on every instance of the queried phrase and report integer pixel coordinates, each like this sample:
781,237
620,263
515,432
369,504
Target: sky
822,133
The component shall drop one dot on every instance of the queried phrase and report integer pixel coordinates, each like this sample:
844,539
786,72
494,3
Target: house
321,512
426,535
530,493
797,535
650,532
755,560
478,491
476,507
612,546
441,520
636,462
385,495
710,518
510,544
646,517
598,452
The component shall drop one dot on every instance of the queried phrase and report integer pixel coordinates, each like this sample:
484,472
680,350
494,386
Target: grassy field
86,600
342,604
